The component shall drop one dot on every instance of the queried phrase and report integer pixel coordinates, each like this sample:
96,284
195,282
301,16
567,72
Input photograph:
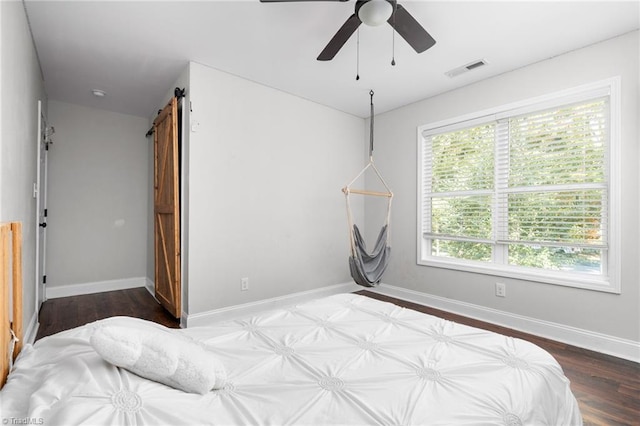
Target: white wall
97,199
22,87
265,173
396,150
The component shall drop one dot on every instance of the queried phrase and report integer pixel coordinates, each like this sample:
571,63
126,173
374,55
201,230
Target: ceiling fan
374,13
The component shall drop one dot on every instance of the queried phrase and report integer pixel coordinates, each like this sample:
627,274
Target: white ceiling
134,51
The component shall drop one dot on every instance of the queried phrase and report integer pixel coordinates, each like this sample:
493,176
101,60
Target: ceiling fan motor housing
374,12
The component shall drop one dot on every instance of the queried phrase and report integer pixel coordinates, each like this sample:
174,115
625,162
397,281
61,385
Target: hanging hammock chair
367,267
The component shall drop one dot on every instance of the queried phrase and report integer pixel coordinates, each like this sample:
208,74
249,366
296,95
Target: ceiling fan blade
410,30
340,38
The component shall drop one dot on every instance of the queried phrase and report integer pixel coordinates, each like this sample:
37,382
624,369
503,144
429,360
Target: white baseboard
251,308
151,286
94,287
610,345
31,331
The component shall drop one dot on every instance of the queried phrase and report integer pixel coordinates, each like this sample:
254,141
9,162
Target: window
527,190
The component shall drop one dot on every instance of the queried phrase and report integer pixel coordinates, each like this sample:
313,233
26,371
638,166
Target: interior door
167,209
44,142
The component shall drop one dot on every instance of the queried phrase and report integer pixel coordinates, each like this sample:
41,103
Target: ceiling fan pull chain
393,37
393,48
371,129
358,55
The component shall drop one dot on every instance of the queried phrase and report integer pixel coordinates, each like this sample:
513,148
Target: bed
342,359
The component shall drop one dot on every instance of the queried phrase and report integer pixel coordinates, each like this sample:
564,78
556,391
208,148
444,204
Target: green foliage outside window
550,157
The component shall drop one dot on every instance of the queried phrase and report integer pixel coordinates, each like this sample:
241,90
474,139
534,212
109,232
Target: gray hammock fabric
367,267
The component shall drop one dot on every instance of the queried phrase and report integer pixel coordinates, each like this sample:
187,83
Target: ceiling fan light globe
375,12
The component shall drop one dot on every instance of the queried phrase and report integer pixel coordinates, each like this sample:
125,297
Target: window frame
610,282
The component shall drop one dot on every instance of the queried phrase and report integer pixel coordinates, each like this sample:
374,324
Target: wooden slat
10,316
16,230
5,325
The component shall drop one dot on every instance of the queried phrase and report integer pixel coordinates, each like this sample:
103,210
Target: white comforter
344,359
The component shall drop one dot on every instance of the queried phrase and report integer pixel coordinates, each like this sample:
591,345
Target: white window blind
526,190
459,181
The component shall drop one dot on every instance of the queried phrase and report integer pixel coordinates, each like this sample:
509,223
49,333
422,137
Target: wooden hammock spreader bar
347,191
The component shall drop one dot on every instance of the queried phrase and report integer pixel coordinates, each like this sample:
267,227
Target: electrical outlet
244,284
501,290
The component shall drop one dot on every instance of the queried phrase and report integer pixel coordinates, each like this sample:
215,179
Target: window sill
581,281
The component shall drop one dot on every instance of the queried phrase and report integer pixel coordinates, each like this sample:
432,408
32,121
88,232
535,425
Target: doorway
45,132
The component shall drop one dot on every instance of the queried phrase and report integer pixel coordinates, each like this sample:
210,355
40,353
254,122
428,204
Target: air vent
465,68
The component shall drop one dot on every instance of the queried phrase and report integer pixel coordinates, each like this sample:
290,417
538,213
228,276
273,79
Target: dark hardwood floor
69,312
607,388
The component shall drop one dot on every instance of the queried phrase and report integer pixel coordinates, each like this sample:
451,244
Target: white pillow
160,356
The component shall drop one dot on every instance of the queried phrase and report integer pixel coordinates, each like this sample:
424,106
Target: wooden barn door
167,209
